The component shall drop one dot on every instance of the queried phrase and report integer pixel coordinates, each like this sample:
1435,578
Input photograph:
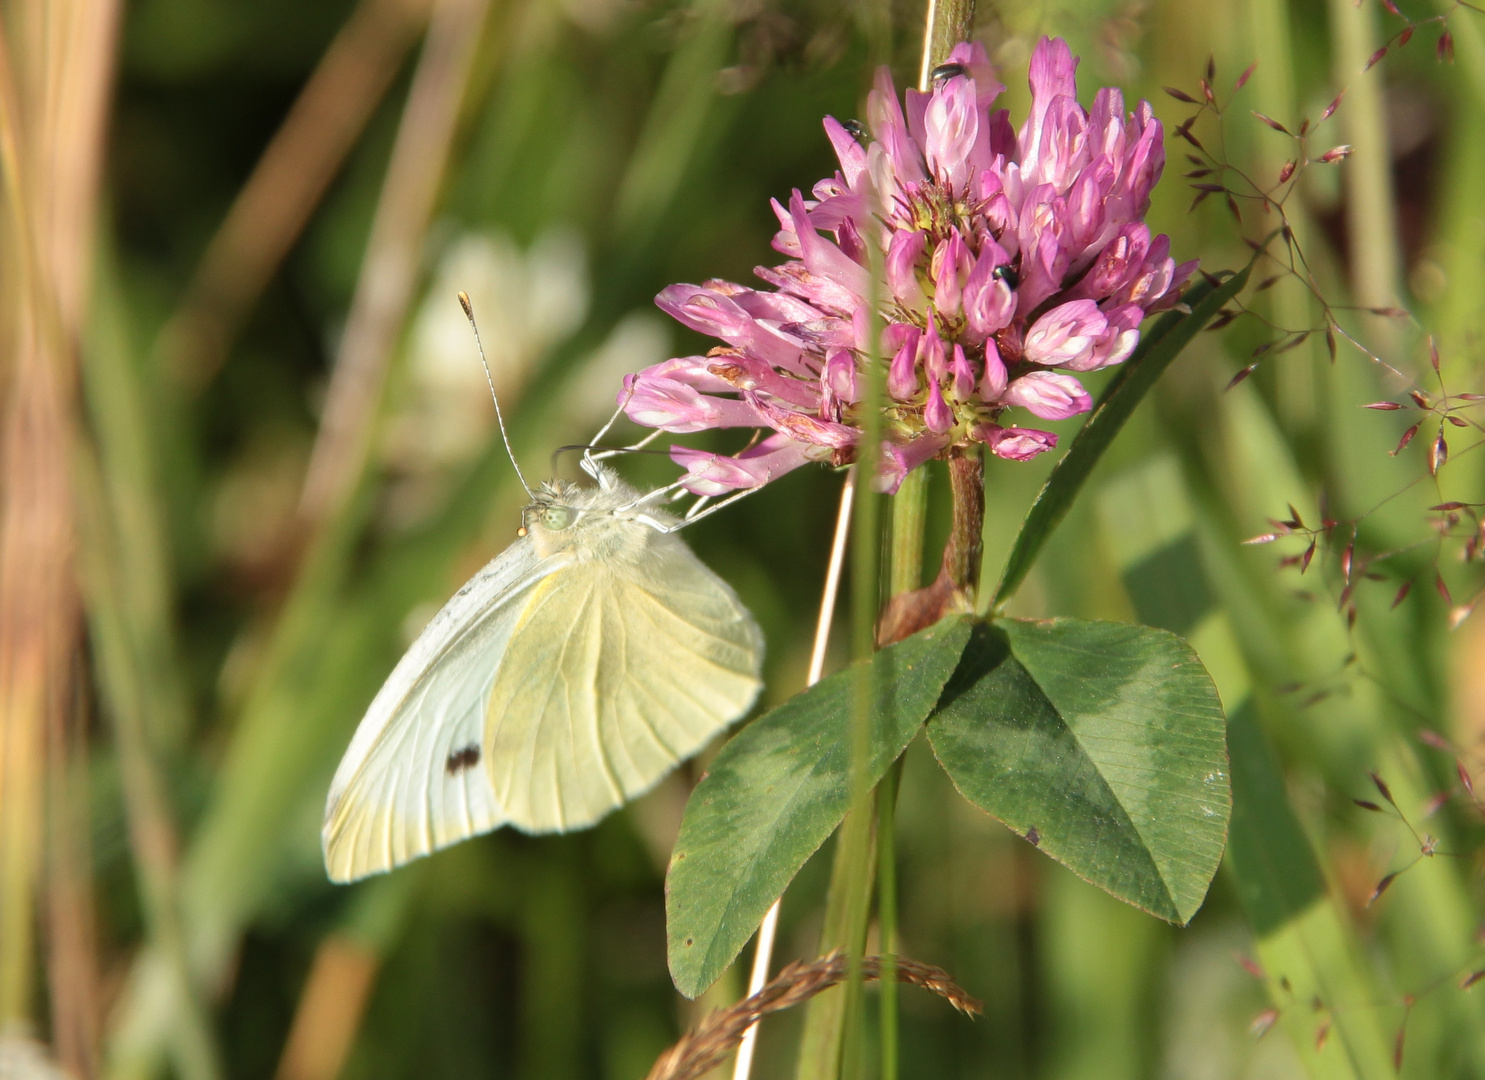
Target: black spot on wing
466,758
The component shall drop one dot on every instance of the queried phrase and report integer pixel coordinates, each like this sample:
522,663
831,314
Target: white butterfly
567,677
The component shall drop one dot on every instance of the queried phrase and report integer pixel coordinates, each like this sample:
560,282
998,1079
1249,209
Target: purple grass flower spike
1007,260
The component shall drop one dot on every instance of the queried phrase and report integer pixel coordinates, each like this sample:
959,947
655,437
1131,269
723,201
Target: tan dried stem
72,956
52,111
83,36
701,1049
389,269
288,182
330,1010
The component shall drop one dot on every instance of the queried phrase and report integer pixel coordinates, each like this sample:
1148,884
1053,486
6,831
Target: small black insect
945,72
858,130
1007,274
466,758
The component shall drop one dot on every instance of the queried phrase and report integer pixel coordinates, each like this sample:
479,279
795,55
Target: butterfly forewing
413,779
615,674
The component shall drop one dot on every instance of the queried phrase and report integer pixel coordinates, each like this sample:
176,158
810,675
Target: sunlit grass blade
1307,951
151,829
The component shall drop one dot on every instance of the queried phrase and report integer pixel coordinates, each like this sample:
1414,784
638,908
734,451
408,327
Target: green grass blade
1159,345
1304,942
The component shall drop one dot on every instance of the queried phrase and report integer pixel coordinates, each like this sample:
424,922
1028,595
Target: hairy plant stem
946,23
963,552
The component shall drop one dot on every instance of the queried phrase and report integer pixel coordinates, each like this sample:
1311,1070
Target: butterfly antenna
499,419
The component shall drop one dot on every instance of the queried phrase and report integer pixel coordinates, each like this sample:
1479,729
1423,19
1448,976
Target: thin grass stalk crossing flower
905,574
856,837
763,951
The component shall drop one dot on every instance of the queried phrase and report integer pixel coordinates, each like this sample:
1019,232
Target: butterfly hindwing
615,673
414,779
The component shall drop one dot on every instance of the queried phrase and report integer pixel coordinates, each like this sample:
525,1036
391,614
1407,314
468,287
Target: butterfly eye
557,518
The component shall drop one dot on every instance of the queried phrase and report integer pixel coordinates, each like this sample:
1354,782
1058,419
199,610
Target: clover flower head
1006,262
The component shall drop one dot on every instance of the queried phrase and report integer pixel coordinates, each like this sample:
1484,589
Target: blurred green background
281,460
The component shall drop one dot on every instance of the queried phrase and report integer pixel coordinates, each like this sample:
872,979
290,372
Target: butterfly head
554,509
601,520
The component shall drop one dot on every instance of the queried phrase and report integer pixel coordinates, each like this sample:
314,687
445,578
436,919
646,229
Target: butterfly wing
412,780
615,674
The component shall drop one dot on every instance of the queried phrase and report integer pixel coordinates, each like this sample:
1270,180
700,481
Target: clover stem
963,552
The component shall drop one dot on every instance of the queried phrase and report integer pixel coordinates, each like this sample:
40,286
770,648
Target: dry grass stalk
72,946
35,547
82,36
329,1011
703,1048
288,182
53,106
389,269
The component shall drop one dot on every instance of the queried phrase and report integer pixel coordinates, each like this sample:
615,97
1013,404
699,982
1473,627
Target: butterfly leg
693,516
590,459
612,420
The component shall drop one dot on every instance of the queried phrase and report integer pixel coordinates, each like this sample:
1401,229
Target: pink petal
822,258
988,302
973,57
899,459
1015,444
838,383
901,267
993,383
673,406
803,427
1053,74
952,124
961,375
889,130
852,154
1065,335
902,373
1050,395
936,414
711,312
738,371
718,474
950,266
